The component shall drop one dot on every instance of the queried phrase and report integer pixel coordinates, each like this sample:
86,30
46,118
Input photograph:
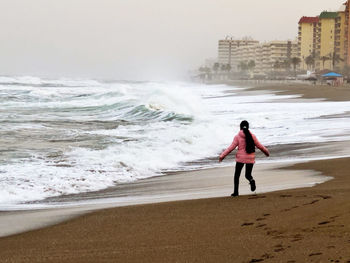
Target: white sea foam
86,135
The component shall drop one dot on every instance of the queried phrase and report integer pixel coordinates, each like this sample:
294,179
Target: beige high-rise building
326,49
228,46
323,40
341,38
268,57
308,40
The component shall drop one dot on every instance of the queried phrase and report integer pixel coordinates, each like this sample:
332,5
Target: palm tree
205,72
276,65
243,66
310,61
223,67
295,62
335,59
216,67
251,65
324,59
286,64
346,72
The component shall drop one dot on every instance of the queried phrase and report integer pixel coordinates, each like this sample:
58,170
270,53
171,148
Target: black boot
252,185
234,194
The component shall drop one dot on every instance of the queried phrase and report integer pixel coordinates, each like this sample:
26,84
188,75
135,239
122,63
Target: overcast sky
135,39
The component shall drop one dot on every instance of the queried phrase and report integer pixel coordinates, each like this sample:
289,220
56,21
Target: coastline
146,214
304,89
191,185
197,184
298,225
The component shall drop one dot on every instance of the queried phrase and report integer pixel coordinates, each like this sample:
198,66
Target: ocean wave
29,81
80,136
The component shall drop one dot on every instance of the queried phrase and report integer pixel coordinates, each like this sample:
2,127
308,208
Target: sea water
66,136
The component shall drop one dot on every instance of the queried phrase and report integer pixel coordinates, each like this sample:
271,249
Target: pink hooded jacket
242,156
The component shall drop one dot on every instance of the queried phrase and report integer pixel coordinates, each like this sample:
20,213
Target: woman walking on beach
246,142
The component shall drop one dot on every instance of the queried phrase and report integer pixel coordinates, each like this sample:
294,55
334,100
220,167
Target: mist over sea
69,136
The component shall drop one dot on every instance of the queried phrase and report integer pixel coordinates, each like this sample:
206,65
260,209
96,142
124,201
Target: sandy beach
305,90
300,225
309,91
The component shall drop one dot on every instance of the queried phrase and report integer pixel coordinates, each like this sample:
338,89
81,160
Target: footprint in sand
257,197
266,214
307,230
315,254
260,219
279,248
247,224
285,195
324,196
261,225
324,222
312,202
288,209
297,238
267,256
273,233
256,260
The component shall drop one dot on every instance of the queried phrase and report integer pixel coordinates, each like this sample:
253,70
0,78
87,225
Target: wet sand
300,225
208,183
305,90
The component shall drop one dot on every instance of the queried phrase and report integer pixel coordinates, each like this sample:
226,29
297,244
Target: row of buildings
324,38
267,57
323,42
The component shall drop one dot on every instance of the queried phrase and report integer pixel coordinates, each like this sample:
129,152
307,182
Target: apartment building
243,53
265,55
326,47
325,39
308,39
340,38
276,53
347,33
227,48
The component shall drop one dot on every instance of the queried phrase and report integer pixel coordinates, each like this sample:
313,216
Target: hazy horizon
134,39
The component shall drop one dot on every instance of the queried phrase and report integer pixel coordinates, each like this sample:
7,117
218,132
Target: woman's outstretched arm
260,146
229,149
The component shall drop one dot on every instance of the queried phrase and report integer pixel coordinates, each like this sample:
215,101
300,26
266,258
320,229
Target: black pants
248,174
